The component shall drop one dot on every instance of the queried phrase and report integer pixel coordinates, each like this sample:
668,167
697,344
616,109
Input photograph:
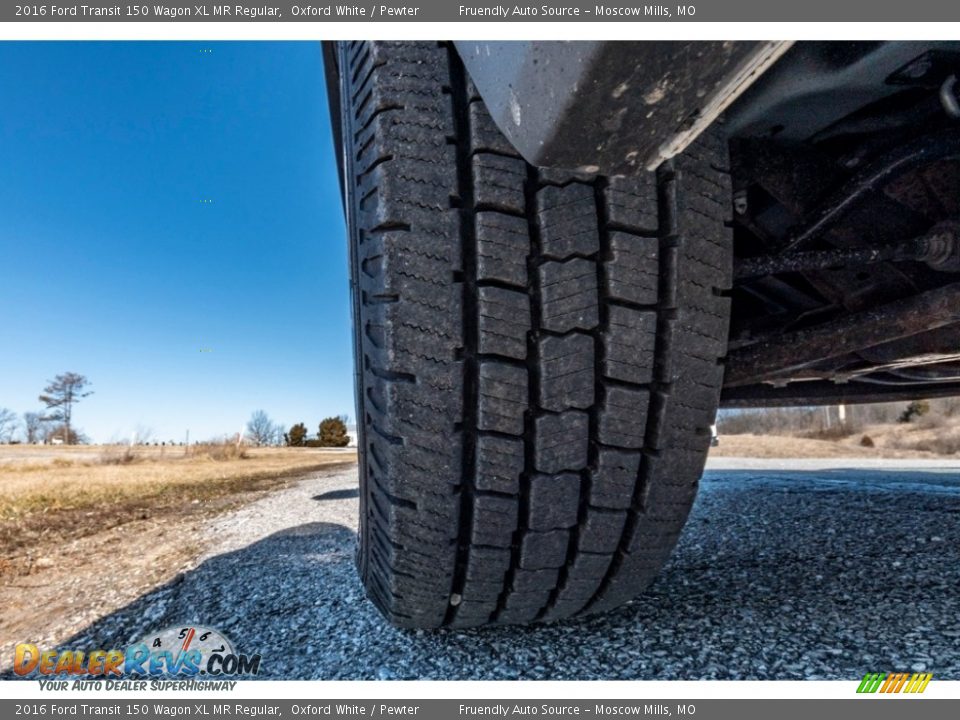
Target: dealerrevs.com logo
179,651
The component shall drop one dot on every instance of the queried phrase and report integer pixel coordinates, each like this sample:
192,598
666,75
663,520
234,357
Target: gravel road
787,569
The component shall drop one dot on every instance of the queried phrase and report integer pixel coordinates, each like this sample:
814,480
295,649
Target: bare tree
279,434
142,435
33,427
260,428
8,424
60,395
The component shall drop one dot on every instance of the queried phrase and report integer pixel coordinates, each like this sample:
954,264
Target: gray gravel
787,569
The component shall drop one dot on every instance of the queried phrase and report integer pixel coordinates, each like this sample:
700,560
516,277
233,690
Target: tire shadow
344,494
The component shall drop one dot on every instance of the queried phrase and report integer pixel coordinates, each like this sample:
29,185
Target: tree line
332,432
54,423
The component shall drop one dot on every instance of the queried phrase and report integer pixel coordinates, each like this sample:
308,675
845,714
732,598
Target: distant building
352,434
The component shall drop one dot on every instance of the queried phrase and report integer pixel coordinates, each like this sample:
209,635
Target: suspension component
939,248
778,357
943,145
942,247
948,97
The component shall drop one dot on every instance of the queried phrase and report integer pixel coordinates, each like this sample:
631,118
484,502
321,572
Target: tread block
586,570
632,202
560,441
415,526
498,182
693,334
634,574
481,592
526,605
544,550
419,559
412,405
504,321
559,176
566,372
502,397
499,464
503,243
584,575
568,221
678,467
473,613
632,271
630,341
487,565
494,521
554,501
517,616
484,134
613,481
568,293
623,417
532,582
601,530
656,536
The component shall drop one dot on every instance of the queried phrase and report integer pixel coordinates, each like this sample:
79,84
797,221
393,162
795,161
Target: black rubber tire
539,353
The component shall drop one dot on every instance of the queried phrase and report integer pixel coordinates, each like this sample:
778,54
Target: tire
539,353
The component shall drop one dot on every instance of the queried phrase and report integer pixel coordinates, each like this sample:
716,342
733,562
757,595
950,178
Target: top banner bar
446,11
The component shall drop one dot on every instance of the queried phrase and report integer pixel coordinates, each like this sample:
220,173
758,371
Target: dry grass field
782,446
931,438
50,493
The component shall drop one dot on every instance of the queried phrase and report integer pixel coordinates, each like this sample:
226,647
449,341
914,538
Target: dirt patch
84,564
32,535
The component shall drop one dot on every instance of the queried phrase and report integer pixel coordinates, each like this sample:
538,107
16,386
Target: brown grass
118,474
834,432
219,451
778,446
932,435
88,489
120,455
928,439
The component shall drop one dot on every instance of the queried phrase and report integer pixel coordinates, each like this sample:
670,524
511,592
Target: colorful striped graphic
894,682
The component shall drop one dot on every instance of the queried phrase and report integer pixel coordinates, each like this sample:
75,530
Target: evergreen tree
297,435
60,395
333,432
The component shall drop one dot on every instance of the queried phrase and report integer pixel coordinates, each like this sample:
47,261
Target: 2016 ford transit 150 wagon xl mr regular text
566,256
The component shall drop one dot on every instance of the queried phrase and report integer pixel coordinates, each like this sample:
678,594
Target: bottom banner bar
874,707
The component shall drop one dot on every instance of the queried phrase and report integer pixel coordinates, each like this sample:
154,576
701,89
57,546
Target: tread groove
471,334
523,506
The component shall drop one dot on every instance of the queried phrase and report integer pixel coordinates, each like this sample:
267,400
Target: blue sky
159,199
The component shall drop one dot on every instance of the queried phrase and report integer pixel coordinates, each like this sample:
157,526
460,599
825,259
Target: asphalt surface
794,569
